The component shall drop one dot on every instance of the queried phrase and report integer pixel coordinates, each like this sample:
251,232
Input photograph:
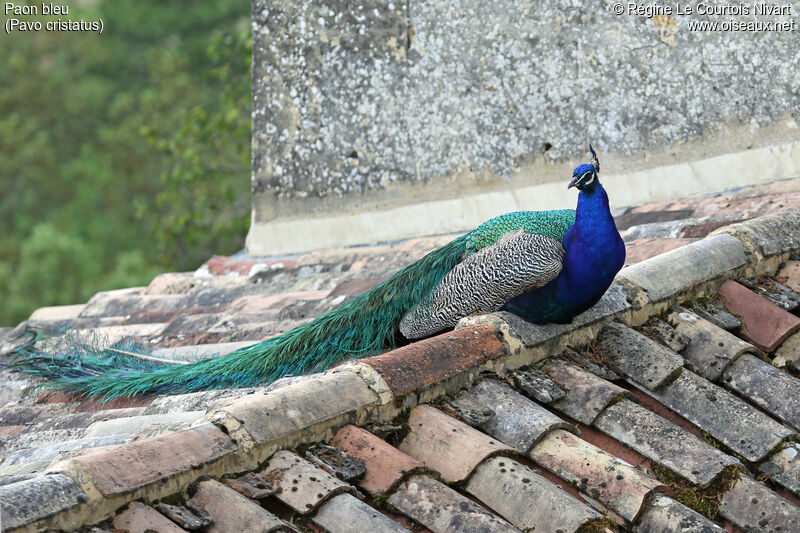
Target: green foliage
123,154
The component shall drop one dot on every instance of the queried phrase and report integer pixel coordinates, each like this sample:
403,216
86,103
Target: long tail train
361,327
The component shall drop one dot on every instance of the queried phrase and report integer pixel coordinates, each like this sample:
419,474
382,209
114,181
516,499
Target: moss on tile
601,525
705,501
395,431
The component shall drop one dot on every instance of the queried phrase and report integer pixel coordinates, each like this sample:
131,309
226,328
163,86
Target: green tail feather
361,327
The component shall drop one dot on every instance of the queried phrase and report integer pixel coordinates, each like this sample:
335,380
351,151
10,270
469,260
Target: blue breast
595,253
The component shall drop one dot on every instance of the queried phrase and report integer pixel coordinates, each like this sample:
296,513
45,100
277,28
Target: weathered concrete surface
526,499
352,99
663,442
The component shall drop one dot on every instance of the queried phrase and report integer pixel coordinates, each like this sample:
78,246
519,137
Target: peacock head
584,177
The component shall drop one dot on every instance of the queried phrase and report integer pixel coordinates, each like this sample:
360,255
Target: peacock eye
591,175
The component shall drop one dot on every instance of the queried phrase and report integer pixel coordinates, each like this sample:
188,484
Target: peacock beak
574,182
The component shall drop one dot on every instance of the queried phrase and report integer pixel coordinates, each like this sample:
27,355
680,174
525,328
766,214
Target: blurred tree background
125,154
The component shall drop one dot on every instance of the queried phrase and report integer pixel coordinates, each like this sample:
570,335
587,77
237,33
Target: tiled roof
672,405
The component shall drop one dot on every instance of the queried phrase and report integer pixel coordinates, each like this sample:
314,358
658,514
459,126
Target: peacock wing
485,280
551,224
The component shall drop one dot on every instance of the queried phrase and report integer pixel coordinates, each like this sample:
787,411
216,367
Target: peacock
545,266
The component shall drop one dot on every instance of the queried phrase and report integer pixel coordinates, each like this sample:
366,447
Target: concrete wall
377,120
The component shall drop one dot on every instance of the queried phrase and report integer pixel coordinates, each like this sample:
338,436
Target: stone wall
391,108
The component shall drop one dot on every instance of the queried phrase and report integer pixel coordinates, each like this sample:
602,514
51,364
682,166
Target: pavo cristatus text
545,266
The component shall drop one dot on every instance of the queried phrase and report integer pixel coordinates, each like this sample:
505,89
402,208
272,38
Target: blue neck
594,254
595,251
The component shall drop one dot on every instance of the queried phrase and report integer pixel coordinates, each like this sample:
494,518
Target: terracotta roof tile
447,445
279,413
188,516
638,250
779,294
587,395
513,420
776,392
201,307
715,312
347,514
663,276
37,499
112,303
615,301
221,265
186,325
764,324
431,360
251,486
784,467
336,462
663,442
59,312
30,414
48,448
633,355
660,331
386,465
711,349
304,487
139,518
652,213
615,483
526,499
356,286
703,229
735,423
789,275
233,512
537,385
126,468
753,507
108,335
665,515
12,430
83,419
132,424
443,510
